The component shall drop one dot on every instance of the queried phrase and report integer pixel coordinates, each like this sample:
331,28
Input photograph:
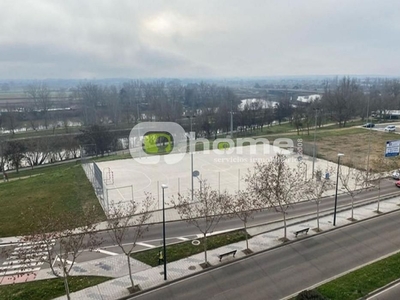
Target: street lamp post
191,152
369,137
315,131
164,186
337,183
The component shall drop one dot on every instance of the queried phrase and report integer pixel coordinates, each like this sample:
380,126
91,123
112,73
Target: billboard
392,148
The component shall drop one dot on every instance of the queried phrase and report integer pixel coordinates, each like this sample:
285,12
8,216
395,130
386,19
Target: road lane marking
106,252
146,245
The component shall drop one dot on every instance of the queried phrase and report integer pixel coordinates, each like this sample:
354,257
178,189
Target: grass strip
185,249
359,283
47,289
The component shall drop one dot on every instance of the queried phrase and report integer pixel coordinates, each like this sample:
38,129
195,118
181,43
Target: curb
377,291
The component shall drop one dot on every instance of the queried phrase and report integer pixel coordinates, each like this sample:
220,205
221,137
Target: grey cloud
45,38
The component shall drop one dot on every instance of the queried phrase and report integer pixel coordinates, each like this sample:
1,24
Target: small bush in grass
310,295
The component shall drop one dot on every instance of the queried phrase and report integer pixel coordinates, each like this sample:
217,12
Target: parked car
369,125
396,175
390,128
398,183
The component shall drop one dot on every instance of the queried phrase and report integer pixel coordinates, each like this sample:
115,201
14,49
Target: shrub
310,295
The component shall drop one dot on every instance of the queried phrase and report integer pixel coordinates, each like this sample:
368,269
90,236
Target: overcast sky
187,38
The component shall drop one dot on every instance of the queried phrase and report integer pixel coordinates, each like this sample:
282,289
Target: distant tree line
205,108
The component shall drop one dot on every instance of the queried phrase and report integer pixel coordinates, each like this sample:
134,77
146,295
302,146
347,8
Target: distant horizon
249,78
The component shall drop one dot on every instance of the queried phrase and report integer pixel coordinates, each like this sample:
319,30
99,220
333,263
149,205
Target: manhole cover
192,268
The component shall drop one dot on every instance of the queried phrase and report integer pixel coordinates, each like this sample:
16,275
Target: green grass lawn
182,250
363,281
47,289
63,187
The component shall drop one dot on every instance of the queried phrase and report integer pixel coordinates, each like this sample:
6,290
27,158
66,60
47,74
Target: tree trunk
245,232
352,207
284,224
379,196
66,286
205,248
318,216
130,269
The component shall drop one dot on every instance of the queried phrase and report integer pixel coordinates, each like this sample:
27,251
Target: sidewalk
264,237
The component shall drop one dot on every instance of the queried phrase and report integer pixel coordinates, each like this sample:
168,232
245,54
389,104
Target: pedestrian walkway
15,267
264,237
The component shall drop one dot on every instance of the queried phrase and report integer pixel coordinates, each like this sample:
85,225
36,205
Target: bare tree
374,179
55,241
244,206
40,96
342,101
98,135
205,212
353,182
10,118
15,153
37,151
92,97
126,225
315,189
277,185
72,146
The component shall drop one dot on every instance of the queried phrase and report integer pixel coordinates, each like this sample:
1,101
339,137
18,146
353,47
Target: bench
226,254
305,230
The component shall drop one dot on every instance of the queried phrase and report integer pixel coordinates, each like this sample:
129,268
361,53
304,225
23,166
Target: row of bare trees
138,100
37,151
93,140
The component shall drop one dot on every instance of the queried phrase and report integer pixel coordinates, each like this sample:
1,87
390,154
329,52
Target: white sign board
392,148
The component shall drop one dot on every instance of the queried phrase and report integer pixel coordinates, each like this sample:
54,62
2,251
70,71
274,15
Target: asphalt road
381,127
391,293
180,230
287,270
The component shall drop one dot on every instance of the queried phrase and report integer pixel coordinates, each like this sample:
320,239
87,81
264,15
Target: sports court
124,180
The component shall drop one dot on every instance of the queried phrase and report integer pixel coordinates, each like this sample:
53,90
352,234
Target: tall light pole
337,183
369,137
231,124
315,134
191,152
164,186
232,119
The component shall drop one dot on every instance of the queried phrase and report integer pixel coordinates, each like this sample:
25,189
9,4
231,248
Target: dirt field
353,143
355,148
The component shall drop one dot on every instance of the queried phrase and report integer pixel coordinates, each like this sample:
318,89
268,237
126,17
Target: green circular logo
223,145
157,143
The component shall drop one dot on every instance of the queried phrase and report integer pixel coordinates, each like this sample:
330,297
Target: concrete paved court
221,169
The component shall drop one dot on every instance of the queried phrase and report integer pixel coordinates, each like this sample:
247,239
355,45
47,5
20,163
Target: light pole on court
337,183
191,138
164,186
